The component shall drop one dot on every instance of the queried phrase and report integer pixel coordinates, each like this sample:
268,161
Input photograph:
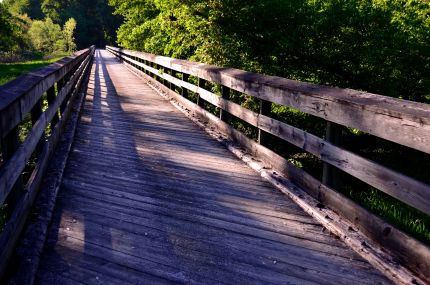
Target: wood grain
400,121
410,252
402,187
146,191
13,168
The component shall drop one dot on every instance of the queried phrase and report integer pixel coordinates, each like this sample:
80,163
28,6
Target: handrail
20,98
403,122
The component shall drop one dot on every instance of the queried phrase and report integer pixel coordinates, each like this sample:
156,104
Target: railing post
50,95
10,143
165,82
225,94
60,84
202,84
145,62
156,76
331,175
170,72
36,111
184,91
265,109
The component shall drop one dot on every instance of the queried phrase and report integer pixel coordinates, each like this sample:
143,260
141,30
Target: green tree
46,36
17,6
30,7
96,24
12,30
8,36
52,8
377,46
69,35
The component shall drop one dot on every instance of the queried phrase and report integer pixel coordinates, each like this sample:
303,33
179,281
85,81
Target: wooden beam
406,189
14,226
265,109
331,176
225,94
10,144
401,121
408,251
36,112
51,99
184,90
18,97
202,85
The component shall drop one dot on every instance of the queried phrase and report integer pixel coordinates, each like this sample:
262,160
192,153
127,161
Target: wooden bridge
132,174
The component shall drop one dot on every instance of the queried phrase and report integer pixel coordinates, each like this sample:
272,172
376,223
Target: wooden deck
148,197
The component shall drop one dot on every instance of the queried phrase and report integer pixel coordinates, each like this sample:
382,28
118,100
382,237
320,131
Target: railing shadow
146,189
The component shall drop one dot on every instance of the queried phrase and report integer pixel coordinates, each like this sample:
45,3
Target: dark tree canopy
378,46
95,22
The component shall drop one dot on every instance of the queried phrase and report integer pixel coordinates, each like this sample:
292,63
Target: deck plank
149,198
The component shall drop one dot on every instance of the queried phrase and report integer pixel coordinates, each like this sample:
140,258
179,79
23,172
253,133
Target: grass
403,216
10,71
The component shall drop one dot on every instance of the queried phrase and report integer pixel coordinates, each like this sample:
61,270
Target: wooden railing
20,99
403,122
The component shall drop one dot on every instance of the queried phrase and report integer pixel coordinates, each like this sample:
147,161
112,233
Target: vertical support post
225,94
170,72
165,82
185,90
50,94
157,76
10,143
265,109
36,112
60,84
331,175
138,66
145,62
202,84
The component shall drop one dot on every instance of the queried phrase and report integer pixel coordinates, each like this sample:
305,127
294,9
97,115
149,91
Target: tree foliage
12,30
45,36
381,46
21,7
93,23
8,34
69,35
48,37
96,24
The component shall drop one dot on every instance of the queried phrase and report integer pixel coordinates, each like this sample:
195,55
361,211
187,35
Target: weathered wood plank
373,226
92,270
400,121
13,168
177,211
402,187
235,267
15,224
210,237
19,96
205,200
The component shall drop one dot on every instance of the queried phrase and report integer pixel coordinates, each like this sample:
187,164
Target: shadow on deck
147,197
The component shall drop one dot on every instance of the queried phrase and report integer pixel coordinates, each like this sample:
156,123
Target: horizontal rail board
13,168
401,121
402,187
407,250
71,71
19,96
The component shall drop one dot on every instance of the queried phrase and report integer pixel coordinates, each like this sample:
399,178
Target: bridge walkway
148,197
